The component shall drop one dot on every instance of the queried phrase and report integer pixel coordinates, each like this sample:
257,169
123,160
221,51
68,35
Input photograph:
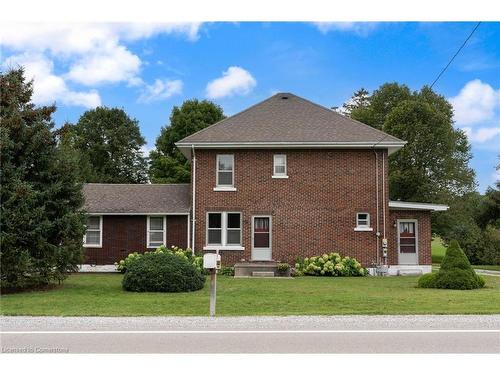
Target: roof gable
285,118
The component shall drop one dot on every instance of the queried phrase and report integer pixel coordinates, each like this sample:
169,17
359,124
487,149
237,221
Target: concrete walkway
304,334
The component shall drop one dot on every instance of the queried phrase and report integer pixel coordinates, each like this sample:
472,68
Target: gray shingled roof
134,199
285,117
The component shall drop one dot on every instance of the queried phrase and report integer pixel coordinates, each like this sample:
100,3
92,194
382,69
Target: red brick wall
424,235
123,235
313,211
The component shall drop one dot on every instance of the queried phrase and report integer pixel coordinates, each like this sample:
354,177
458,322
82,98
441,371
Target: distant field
438,250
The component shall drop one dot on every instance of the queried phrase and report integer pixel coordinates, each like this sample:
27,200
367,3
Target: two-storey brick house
287,179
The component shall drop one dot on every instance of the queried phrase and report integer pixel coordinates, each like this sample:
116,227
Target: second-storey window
279,166
225,171
156,231
224,228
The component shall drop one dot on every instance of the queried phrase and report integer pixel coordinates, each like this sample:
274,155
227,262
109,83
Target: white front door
261,238
407,242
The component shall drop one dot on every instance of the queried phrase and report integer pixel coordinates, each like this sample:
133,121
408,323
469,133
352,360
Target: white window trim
363,228
280,175
224,187
100,235
149,246
223,245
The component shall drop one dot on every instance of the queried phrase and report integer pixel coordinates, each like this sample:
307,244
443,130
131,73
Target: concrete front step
249,269
262,274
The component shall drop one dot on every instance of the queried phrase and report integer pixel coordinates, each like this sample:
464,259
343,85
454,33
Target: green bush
455,272
162,272
187,254
226,271
330,265
283,267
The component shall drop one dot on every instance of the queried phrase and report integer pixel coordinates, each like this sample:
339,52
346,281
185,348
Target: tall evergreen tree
167,164
41,228
109,142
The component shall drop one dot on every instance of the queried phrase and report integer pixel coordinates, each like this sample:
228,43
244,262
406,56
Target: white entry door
261,238
407,242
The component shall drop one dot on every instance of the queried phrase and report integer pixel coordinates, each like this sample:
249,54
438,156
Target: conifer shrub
455,272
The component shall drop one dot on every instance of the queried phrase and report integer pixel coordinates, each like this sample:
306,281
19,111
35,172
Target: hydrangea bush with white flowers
330,265
187,254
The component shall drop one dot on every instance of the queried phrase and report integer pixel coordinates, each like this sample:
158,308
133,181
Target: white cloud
161,89
110,65
358,28
48,87
94,53
481,135
235,80
476,102
79,38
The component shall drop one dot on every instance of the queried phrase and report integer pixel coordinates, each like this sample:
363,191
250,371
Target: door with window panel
261,238
407,242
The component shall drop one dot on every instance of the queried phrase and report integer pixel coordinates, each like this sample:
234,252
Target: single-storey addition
281,180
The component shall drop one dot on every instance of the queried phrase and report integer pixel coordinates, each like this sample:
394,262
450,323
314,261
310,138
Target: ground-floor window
93,232
224,229
156,231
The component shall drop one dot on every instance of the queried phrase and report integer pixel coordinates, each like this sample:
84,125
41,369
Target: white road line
258,332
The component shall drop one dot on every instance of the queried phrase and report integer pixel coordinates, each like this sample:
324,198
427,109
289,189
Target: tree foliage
434,164
167,164
41,222
109,143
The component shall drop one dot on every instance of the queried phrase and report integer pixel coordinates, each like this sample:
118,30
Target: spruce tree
41,223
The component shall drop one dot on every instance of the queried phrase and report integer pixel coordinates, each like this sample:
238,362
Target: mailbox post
211,262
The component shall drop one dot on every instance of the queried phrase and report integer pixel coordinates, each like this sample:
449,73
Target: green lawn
101,295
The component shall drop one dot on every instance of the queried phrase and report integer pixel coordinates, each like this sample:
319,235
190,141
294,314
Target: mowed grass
438,250
102,295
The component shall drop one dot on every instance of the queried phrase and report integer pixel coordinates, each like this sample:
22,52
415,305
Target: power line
455,55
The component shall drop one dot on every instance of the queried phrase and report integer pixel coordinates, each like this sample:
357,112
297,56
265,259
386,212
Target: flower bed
330,265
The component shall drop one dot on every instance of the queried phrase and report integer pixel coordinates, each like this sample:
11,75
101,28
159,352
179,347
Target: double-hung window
224,229
93,232
279,166
156,231
225,172
363,221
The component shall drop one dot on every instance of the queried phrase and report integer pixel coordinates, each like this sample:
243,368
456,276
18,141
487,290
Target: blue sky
148,68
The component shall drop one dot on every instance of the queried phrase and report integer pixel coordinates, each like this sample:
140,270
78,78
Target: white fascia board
417,206
392,147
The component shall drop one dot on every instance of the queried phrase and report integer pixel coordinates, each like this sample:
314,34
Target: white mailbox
211,261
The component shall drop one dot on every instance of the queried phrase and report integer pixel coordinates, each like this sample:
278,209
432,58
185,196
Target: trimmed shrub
330,265
162,272
455,272
226,271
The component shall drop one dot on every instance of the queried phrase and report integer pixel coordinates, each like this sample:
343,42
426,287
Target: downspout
378,206
193,183
383,199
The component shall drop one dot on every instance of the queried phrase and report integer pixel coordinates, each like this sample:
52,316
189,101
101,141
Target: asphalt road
308,334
